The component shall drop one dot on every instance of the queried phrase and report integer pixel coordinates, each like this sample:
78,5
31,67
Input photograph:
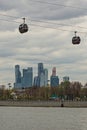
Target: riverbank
43,103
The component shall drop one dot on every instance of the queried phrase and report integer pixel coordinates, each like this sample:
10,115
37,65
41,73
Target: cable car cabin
23,28
76,40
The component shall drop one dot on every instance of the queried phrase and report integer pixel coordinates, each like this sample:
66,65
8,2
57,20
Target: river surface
47,118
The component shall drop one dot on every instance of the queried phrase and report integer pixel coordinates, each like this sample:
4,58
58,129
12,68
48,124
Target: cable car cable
57,4
43,26
42,21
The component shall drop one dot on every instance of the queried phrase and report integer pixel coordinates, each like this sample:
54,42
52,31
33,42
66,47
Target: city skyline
25,78
49,40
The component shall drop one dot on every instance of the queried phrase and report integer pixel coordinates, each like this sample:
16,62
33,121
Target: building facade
40,68
42,79
54,80
45,77
27,79
65,78
24,81
17,74
17,83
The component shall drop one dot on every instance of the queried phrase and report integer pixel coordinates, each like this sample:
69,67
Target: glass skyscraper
17,83
54,80
40,68
17,74
24,81
42,75
27,79
45,77
36,81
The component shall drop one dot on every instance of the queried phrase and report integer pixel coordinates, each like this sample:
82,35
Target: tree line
66,90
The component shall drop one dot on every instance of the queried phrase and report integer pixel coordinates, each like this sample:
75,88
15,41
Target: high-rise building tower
36,81
17,83
17,74
40,68
54,80
42,78
54,71
45,77
27,79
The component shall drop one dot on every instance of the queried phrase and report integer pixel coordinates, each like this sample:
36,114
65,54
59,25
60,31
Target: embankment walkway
43,103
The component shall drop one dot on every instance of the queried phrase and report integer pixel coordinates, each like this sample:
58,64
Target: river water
47,118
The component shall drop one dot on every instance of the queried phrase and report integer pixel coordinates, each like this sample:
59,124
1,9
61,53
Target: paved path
43,103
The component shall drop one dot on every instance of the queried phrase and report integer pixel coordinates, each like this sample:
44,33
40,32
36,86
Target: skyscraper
54,80
40,68
54,71
42,78
17,83
45,77
27,79
36,81
17,74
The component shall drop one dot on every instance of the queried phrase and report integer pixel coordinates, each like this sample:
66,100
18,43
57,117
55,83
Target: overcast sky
49,39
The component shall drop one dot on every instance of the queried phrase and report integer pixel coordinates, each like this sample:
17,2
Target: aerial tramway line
23,28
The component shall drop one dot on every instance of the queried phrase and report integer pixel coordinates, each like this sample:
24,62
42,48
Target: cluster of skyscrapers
26,79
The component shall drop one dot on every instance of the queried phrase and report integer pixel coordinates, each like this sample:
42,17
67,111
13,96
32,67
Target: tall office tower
65,78
17,74
40,68
54,81
36,81
54,71
27,79
45,77
40,74
42,80
17,83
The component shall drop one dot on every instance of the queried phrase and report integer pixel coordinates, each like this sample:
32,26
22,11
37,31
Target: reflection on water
35,118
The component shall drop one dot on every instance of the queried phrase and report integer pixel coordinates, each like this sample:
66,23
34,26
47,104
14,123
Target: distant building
45,77
36,81
27,79
24,81
17,74
42,79
65,78
17,83
40,68
54,80
54,71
